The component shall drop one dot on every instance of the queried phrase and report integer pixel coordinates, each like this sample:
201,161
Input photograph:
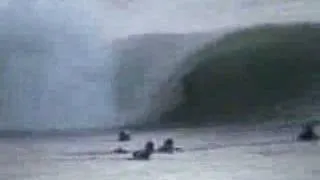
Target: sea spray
56,69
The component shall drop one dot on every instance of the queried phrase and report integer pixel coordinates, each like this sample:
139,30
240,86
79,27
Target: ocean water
62,70
210,153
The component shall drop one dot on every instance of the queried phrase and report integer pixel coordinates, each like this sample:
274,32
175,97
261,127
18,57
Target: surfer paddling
124,136
308,133
145,153
168,147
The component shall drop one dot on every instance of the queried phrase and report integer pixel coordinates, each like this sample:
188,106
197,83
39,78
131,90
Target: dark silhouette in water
308,133
168,147
145,153
124,136
120,151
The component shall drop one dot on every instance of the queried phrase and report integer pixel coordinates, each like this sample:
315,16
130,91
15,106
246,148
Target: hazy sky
124,17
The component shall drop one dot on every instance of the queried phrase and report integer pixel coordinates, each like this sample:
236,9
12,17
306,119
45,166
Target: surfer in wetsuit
124,136
168,147
308,133
145,153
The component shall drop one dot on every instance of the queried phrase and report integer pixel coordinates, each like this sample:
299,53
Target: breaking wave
258,73
262,72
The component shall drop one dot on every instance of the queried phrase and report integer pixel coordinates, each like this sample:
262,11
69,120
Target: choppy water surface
209,155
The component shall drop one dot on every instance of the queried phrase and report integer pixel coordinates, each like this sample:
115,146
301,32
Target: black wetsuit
123,136
145,153
168,147
308,134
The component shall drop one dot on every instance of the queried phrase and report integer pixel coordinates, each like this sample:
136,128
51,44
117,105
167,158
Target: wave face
64,67
144,65
262,71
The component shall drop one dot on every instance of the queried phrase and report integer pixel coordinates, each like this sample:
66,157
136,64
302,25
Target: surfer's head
149,146
309,127
122,133
124,136
308,133
168,142
168,146
145,153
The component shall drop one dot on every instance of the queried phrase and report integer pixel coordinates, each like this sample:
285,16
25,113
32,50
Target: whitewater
73,72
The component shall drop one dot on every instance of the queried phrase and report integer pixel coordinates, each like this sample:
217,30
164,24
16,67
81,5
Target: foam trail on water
56,69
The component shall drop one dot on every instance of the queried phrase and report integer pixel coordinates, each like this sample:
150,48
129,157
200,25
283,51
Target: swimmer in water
168,147
124,136
145,153
308,133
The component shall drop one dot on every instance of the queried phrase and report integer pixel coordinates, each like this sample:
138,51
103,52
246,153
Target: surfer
124,136
308,133
168,147
145,153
